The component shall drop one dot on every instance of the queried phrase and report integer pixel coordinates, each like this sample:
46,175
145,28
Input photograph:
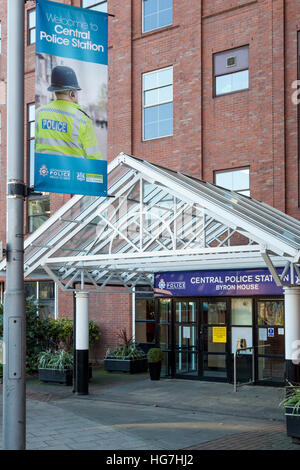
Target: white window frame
30,29
159,27
158,104
233,170
95,4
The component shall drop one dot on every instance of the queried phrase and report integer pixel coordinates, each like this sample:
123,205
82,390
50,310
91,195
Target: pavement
130,412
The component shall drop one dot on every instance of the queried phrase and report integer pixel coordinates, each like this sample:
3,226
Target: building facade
207,88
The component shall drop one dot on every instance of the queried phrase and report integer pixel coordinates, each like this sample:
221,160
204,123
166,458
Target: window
231,71
94,5
38,211
31,27
158,104
44,292
144,322
157,14
236,180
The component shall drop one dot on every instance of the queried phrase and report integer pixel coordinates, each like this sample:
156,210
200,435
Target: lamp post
14,398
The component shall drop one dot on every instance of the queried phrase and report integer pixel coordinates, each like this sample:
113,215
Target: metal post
14,414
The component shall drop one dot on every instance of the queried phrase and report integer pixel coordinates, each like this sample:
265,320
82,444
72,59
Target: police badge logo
44,170
161,284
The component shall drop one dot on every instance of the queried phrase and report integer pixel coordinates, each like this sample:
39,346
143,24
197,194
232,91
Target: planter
132,366
56,376
292,422
154,369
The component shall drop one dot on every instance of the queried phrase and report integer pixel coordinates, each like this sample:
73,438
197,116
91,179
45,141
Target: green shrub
48,334
154,355
125,352
60,360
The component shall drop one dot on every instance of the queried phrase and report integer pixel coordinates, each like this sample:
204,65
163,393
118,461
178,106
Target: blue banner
70,153
244,282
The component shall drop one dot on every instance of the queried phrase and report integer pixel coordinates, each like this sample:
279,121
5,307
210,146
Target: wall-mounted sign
219,334
239,283
270,332
71,100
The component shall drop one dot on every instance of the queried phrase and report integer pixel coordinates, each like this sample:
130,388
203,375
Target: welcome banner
71,100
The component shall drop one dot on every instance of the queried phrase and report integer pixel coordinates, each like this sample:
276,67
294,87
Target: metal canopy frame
159,220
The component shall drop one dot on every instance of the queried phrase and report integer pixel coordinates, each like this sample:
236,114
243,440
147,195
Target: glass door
186,338
213,339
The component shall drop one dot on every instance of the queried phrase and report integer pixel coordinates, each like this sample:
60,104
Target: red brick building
204,87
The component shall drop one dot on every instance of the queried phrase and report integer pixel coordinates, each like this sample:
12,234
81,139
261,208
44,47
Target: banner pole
14,397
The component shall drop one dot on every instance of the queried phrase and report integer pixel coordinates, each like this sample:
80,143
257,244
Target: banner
71,100
244,282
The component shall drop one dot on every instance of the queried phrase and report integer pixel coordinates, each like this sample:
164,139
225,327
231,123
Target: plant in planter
55,367
126,357
154,357
291,403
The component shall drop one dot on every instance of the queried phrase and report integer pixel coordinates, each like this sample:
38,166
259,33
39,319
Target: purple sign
243,282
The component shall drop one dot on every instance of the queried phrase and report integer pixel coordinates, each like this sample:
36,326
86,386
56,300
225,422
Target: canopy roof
156,220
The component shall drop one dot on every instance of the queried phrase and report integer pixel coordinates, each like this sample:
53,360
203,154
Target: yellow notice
219,334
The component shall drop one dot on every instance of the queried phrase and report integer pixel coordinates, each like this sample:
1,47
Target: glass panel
151,97
165,310
271,369
238,333
212,340
31,19
214,312
32,36
145,332
240,179
94,5
157,13
30,289
186,363
271,312
241,311
185,311
232,82
165,336
273,339
186,337
214,365
237,180
31,112
144,310
46,309
165,364
46,290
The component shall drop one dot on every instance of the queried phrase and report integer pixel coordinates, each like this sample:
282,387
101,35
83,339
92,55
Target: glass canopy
156,220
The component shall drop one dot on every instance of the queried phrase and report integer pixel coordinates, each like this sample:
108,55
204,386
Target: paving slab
131,412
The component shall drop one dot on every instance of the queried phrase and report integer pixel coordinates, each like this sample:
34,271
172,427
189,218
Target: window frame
232,170
230,72
91,7
161,103
45,197
159,27
29,43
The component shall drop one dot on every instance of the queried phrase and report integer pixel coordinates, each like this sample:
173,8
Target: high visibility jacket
62,128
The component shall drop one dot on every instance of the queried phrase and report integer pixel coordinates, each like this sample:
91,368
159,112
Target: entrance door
213,339
186,338
201,338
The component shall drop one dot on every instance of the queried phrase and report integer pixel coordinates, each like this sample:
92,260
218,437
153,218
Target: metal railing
236,354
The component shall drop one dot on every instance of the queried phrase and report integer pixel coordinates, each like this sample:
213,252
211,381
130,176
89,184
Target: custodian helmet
63,78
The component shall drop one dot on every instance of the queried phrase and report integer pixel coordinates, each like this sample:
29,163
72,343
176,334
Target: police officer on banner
62,127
